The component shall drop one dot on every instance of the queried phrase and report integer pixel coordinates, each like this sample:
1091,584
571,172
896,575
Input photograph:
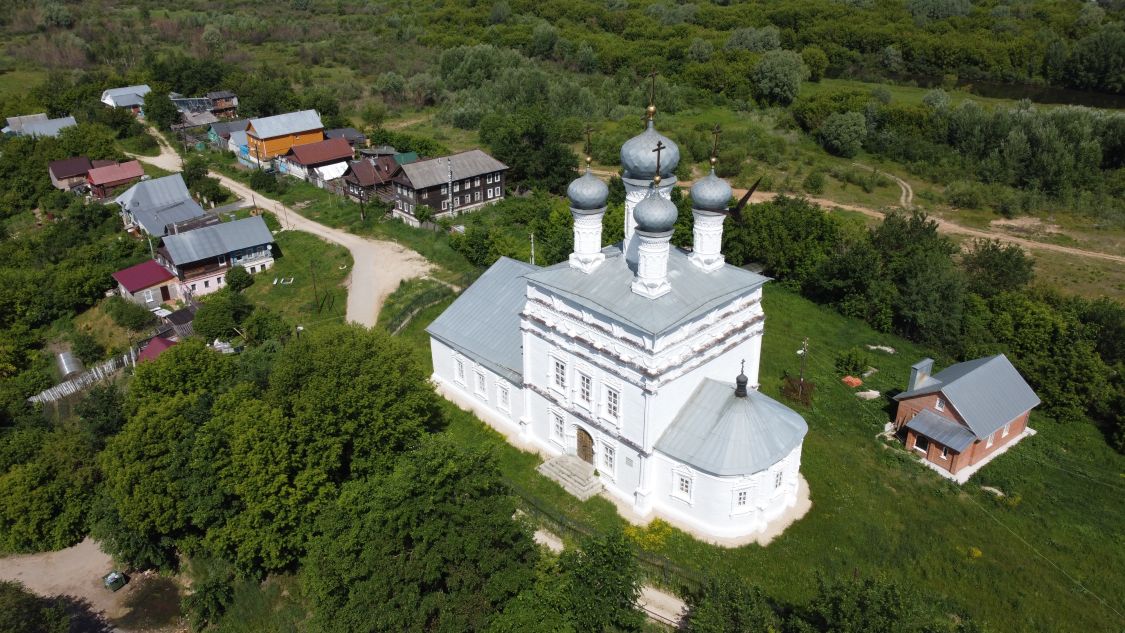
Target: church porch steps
573,474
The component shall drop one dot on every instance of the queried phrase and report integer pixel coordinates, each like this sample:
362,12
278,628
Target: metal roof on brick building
941,430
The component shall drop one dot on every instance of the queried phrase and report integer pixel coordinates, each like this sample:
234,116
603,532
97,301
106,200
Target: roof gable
284,124
986,392
435,171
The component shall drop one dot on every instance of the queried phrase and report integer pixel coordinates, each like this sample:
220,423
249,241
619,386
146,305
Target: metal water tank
69,365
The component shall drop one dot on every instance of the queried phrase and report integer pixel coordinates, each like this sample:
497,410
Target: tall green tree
601,584
730,605
24,612
992,267
160,111
530,142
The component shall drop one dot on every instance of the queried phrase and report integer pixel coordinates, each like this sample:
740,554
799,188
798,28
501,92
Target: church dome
655,214
711,193
639,159
587,193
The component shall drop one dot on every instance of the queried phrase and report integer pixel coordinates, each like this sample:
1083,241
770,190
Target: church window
504,398
557,427
560,374
777,479
939,404
741,498
683,487
459,370
613,404
585,388
609,457
481,385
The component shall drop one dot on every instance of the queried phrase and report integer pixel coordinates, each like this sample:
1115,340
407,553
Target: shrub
816,60
86,347
238,279
852,362
814,182
777,77
842,134
266,182
126,314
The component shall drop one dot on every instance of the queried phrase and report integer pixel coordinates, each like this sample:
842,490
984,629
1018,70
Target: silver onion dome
638,157
655,214
711,193
587,193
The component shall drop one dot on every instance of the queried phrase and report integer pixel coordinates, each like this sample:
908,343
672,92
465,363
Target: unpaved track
377,266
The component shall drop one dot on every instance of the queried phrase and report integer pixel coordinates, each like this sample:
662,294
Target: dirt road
378,266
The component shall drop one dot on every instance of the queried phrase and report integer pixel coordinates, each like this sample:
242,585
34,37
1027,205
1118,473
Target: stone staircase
573,474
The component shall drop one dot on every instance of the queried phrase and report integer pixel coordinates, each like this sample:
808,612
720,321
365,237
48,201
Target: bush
127,314
852,362
238,279
266,182
842,134
220,315
814,182
86,347
777,77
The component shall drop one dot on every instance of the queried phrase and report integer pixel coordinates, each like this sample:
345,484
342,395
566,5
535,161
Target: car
114,580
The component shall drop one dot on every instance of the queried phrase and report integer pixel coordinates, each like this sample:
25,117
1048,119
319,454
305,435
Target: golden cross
660,147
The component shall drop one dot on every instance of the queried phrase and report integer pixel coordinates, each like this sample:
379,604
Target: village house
201,258
37,125
962,417
450,185
353,136
219,132
110,179
224,104
318,162
370,178
69,173
272,136
131,98
158,206
147,284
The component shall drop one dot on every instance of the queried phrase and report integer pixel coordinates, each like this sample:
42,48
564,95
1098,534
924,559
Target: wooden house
960,418
368,179
224,104
109,180
159,206
273,136
69,173
318,162
449,185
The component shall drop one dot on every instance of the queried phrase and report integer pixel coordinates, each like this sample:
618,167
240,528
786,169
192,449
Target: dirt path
378,266
906,197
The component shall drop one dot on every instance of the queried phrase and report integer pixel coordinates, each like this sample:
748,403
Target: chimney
920,373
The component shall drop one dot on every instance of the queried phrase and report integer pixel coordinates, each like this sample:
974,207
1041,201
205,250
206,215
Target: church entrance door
585,447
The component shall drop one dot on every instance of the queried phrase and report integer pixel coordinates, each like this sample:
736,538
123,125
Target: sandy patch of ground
1025,225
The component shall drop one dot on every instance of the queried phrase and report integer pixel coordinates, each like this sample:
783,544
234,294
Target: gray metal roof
156,221
607,290
128,95
289,123
156,203
987,392
484,322
50,127
724,435
16,123
435,171
219,239
225,128
238,138
942,430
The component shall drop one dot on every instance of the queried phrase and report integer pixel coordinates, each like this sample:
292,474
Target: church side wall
488,403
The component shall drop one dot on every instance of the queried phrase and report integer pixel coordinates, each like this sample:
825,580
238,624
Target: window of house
481,385
459,370
445,190
613,404
456,187
557,427
939,404
777,479
193,286
741,498
921,443
476,196
148,295
991,435
1007,428
220,280
207,283
476,182
944,453
444,205
503,397
683,487
585,388
609,457
560,374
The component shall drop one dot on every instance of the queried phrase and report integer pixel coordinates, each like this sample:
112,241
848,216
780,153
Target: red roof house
69,173
105,181
321,161
148,284
155,348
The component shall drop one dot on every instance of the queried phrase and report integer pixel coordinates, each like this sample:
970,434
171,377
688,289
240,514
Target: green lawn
876,510
318,270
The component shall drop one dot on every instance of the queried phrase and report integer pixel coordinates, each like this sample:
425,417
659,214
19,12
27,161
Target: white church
641,359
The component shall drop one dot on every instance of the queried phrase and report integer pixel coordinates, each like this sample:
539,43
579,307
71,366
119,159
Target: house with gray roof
201,258
129,97
157,206
276,135
960,418
450,185
37,125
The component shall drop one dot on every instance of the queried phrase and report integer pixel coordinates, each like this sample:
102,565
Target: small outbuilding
111,179
69,173
147,284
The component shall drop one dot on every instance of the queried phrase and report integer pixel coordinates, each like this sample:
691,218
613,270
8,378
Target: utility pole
804,356
316,294
449,191
532,249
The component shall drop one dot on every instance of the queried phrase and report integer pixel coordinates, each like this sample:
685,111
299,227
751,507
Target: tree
212,38
501,11
601,585
777,77
102,412
992,267
816,60
24,612
160,111
221,314
700,50
531,144
264,325
433,547
238,279
842,134
731,605
767,38
874,604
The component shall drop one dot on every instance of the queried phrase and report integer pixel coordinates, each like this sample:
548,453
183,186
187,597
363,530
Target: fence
654,568
97,374
417,303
